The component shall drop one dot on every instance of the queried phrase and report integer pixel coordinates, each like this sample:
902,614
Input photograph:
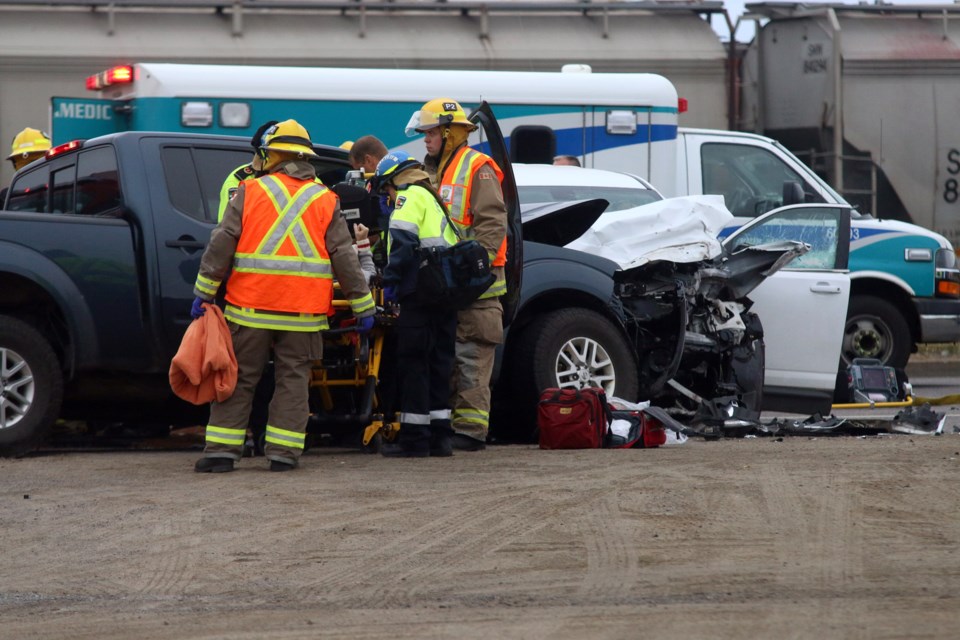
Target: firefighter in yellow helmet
469,182
285,239
28,145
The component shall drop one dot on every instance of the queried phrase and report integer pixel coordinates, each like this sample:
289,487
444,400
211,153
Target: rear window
619,197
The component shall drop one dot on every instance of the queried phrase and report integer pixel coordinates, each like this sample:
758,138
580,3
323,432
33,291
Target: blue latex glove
365,324
197,309
390,293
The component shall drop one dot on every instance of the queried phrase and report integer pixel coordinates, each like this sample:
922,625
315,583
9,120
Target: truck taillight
115,75
63,148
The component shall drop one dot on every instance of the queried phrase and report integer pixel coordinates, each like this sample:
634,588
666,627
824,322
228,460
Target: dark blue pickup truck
100,243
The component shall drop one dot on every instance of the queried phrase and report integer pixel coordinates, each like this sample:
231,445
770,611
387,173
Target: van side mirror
792,193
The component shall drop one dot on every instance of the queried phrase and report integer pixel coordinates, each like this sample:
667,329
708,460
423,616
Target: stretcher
346,403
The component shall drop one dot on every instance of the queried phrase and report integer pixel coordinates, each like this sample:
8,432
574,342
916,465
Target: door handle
185,242
825,287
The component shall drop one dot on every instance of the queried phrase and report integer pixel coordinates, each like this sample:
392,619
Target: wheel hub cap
17,388
583,362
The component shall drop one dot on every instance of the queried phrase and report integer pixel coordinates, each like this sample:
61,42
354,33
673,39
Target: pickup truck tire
876,329
31,387
578,348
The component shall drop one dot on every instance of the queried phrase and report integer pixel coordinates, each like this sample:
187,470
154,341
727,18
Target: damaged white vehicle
708,330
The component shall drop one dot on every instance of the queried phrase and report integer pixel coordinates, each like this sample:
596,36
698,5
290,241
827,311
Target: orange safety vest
457,185
281,262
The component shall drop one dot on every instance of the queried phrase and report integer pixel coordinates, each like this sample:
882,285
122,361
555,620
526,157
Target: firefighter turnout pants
479,331
426,339
294,353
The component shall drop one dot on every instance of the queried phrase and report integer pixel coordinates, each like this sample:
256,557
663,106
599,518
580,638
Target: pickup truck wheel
578,348
31,387
876,329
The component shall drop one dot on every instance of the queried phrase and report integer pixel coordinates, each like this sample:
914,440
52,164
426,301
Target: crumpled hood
679,230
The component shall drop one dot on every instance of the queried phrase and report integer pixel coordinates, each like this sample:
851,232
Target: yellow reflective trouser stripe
279,321
497,289
471,415
360,305
223,435
207,286
284,438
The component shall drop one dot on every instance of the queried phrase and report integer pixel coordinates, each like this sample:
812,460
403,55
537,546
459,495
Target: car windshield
619,197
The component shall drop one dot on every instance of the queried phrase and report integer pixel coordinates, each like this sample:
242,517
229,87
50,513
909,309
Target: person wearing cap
469,183
285,240
28,145
425,332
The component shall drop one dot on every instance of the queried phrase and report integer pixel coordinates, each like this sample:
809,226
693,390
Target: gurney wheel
373,446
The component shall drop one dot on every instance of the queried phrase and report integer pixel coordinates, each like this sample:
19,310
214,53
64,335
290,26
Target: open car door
484,118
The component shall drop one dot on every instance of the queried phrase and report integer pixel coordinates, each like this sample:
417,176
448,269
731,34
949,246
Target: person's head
282,142
28,145
366,152
257,161
443,123
570,161
397,168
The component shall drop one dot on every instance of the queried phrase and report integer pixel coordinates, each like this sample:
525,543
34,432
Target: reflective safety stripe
207,286
223,435
471,415
359,305
404,225
272,320
434,242
288,223
285,438
440,414
461,175
497,289
415,418
282,265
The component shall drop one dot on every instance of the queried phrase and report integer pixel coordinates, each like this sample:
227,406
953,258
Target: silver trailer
49,48
868,95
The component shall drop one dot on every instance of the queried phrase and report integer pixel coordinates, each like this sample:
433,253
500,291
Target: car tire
876,329
31,387
574,336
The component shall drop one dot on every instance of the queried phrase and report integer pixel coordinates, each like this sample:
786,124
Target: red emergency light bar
682,105
115,75
63,148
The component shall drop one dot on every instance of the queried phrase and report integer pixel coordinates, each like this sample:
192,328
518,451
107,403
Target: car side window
63,181
749,178
98,183
194,176
815,226
29,191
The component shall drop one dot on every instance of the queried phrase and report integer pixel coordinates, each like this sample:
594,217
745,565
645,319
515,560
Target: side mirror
792,193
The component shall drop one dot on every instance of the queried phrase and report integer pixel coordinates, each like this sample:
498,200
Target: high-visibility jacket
229,186
417,221
456,186
281,262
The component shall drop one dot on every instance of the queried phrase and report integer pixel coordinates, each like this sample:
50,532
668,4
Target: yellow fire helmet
437,113
288,136
29,141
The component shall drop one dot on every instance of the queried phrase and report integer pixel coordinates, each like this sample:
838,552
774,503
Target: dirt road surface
759,538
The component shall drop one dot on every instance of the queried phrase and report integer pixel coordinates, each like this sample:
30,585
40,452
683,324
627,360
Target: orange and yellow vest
281,261
456,187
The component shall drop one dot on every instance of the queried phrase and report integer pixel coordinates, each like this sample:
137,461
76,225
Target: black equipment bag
453,277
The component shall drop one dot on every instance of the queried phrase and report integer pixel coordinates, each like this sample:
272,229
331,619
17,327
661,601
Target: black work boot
279,465
463,442
213,465
400,450
441,443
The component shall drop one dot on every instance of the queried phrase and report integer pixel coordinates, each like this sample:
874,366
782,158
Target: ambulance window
182,184
29,192
98,183
63,180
